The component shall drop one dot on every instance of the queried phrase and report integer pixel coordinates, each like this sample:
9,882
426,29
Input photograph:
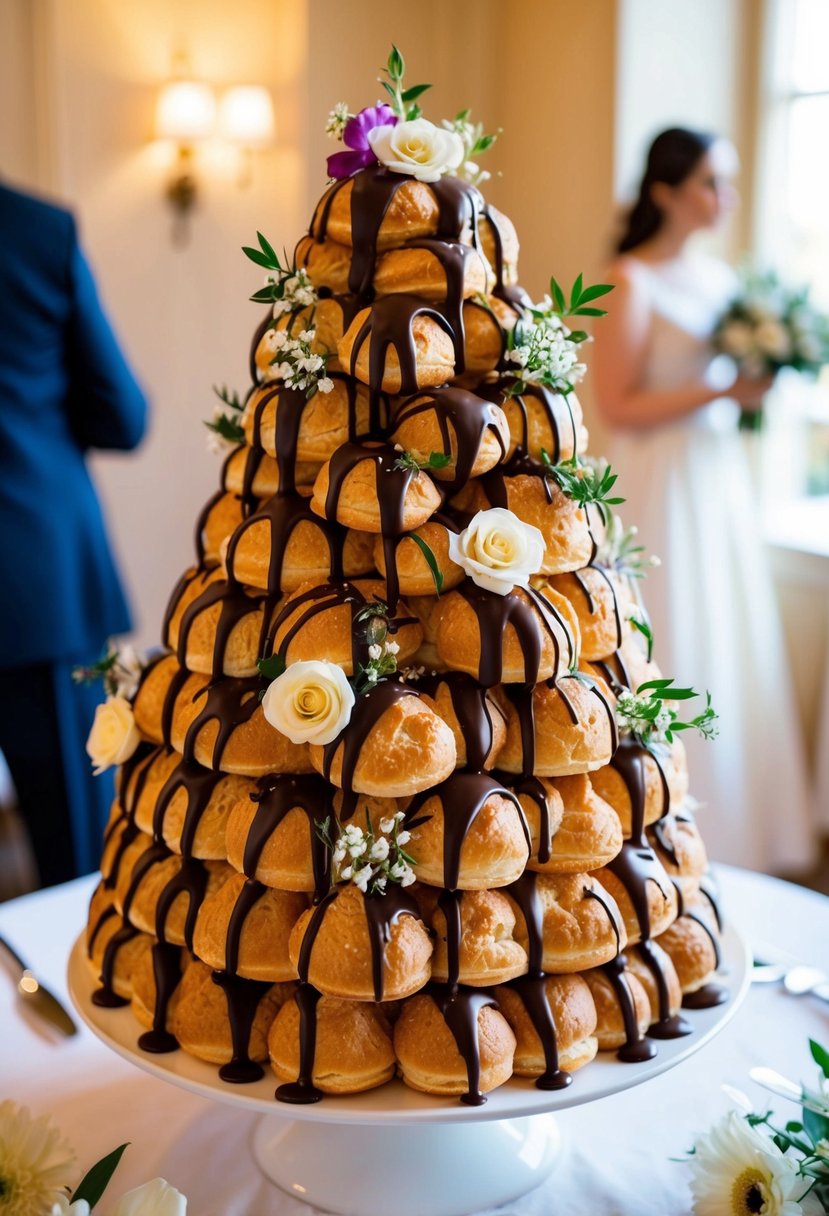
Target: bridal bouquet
749,1164
769,326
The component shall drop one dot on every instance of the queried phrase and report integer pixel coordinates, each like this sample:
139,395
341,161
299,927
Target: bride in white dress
683,472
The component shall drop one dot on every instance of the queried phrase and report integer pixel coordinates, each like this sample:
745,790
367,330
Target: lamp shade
186,111
246,116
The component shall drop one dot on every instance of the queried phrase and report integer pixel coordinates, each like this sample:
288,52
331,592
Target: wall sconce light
186,113
246,119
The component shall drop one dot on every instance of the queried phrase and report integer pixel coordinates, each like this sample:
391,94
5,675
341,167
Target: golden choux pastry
517,638
664,991
414,574
120,833
113,946
469,430
692,942
185,805
499,244
216,627
217,723
592,592
643,892
629,666
201,1022
468,833
485,951
321,423
570,826
472,714
540,420
251,472
274,836
573,1012
219,519
284,544
413,211
352,1048
425,269
394,746
664,775
327,262
363,947
569,723
244,927
398,345
318,621
364,487
485,327
581,925
570,532
433,1030
679,846
612,1031
152,1007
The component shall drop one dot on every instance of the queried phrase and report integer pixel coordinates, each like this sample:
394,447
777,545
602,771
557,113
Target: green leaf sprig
431,561
646,715
580,298
372,621
225,422
270,669
289,287
436,460
95,1180
583,483
402,101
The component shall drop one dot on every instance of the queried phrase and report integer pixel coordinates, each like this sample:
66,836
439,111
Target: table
619,1149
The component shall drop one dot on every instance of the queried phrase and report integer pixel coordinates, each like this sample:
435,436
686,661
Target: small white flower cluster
544,353
297,292
770,326
618,548
120,668
634,713
470,133
372,862
337,119
297,365
377,652
218,443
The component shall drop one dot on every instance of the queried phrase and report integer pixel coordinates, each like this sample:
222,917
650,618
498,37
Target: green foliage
436,460
582,483
431,561
95,1181
402,101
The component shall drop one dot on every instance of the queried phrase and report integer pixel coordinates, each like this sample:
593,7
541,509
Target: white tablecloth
618,1163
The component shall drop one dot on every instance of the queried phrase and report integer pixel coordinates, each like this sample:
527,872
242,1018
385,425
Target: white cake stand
446,1159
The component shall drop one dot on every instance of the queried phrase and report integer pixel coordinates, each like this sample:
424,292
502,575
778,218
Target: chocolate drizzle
472,708
227,702
368,709
303,1091
106,996
390,324
167,974
198,785
459,414
529,620
461,1008
555,407
243,997
275,797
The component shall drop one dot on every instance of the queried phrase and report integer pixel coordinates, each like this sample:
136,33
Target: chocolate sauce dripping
105,996
453,258
389,323
177,682
128,835
198,785
283,512
524,892
471,708
259,333
92,937
167,973
303,1091
707,997
659,831
531,787
521,698
449,903
668,1025
151,856
227,702
235,604
248,897
591,605
708,889
463,796
460,1008
522,461
495,612
382,912
189,880
275,797
470,417
367,711
186,580
201,523
636,1049
371,196
532,991
243,997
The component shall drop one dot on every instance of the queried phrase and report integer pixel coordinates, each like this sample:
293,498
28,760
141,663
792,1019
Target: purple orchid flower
355,136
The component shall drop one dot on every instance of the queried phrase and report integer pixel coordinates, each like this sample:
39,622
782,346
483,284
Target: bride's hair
672,157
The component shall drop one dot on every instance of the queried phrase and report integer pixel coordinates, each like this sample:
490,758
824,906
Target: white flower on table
35,1162
417,148
498,550
739,1172
311,702
155,1198
114,735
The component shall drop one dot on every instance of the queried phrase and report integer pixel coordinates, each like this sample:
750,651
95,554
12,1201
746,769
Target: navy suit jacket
64,387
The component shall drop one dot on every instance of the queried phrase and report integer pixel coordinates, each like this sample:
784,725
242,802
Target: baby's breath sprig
373,621
337,119
298,365
475,142
619,549
119,667
287,286
645,715
402,101
582,481
436,460
370,862
225,428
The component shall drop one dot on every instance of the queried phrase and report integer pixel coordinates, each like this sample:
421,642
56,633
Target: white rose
498,550
737,339
156,1198
310,702
773,339
114,735
417,148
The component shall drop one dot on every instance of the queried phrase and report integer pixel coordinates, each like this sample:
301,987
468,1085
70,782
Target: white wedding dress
687,488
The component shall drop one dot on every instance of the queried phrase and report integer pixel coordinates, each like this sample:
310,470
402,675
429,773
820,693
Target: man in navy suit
64,387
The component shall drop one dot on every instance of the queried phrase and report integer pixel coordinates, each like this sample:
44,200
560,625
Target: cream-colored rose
417,148
156,1198
114,735
310,702
498,550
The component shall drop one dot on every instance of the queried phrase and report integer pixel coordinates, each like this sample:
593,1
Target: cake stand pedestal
395,1150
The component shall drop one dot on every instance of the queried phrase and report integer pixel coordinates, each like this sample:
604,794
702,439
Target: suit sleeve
106,404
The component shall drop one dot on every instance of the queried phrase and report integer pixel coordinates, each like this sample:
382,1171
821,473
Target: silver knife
37,997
